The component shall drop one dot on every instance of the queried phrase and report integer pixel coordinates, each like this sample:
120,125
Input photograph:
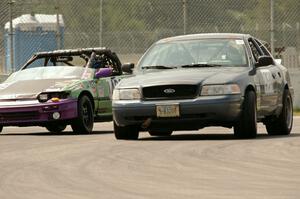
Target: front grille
16,116
170,92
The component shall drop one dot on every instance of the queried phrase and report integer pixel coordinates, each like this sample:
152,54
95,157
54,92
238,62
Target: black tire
282,125
84,123
56,128
160,133
1,128
247,125
126,132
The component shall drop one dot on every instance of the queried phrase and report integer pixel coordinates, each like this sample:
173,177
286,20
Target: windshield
203,52
50,72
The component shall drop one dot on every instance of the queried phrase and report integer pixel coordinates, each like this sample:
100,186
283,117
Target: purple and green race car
59,88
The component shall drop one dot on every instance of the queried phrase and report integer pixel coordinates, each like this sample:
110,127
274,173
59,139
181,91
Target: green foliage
118,16
152,15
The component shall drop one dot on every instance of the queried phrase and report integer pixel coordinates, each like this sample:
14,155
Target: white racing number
267,81
113,81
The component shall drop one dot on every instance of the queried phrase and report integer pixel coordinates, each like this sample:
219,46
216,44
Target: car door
105,87
266,76
277,76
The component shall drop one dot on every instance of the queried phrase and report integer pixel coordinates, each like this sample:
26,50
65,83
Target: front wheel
56,128
247,125
85,121
282,125
126,132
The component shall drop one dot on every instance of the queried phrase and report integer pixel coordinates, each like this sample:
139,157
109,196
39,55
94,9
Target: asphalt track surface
208,163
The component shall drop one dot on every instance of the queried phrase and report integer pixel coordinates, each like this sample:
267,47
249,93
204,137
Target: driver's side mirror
264,61
128,68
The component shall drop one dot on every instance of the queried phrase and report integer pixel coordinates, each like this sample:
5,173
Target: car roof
205,36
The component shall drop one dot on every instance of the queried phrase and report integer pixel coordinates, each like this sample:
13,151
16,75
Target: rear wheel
282,125
126,132
85,121
247,125
160,133
56,128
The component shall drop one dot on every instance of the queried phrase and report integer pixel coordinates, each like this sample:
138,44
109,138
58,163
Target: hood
208,75
31,88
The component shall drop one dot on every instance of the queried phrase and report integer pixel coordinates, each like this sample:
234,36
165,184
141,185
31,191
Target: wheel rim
86,114
289,112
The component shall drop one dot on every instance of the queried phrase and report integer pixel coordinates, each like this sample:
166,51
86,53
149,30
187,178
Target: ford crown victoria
193,81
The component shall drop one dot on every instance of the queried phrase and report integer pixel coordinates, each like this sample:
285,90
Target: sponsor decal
101,92
93,87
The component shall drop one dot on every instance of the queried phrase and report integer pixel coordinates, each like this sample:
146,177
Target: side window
255,51
101,61
263,48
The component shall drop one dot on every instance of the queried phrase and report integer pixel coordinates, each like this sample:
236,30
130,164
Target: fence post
58,36
11,36
184,7
272,26
298,41
101,23
284,34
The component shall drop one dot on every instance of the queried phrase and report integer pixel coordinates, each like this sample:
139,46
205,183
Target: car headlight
126,94
53,96
43,97
224,89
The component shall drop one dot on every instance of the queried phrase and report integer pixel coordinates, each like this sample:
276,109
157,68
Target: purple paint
103,72
38,113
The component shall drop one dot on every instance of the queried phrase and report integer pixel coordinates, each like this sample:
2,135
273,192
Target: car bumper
24,114
194,113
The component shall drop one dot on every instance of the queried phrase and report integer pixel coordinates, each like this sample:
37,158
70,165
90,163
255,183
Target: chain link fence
129,27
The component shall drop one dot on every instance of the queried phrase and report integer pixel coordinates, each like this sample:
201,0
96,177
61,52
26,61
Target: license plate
168,110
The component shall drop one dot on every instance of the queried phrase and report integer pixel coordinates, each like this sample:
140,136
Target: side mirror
264,61
103,72
127,68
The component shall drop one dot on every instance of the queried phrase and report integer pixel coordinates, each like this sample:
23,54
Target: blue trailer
32,33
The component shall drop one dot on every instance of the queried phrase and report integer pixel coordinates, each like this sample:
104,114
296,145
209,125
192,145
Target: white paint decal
267,81
53,89
113,82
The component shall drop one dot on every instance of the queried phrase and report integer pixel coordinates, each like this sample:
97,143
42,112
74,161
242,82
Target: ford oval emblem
169,90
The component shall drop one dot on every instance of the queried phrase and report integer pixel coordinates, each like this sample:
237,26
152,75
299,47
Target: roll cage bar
88,54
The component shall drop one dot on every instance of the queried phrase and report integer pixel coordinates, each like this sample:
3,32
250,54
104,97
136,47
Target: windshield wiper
158,67
200,65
